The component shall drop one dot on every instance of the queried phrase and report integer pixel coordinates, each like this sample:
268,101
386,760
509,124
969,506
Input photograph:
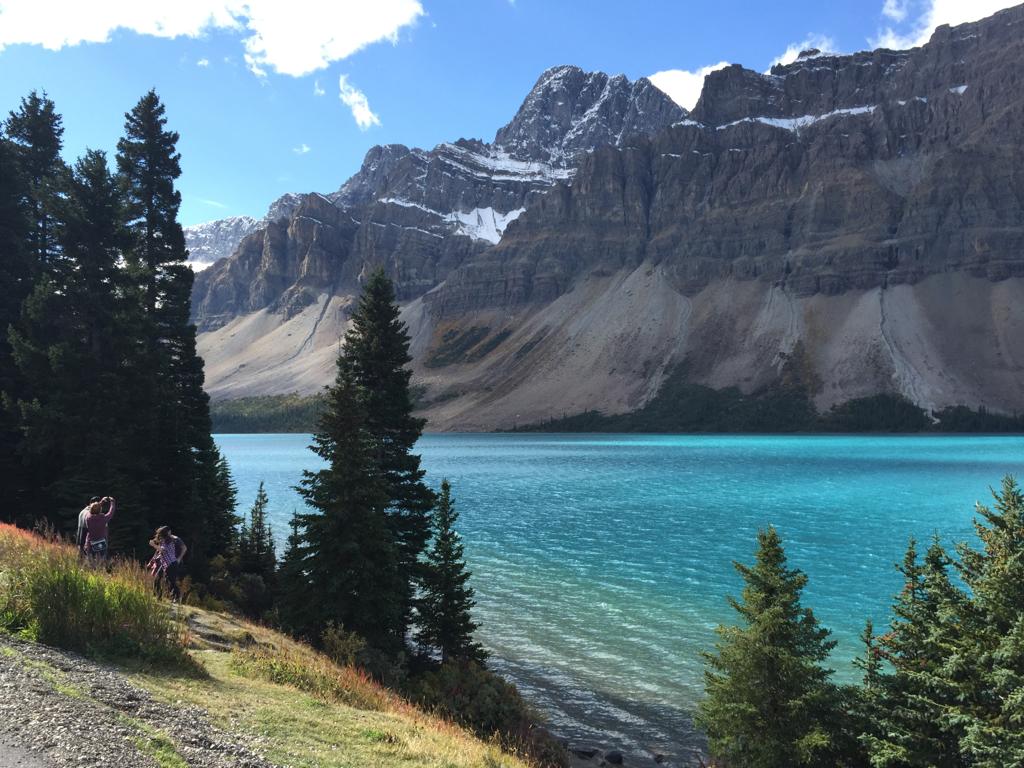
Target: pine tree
446,603
15,284
347,549
177,457
911,703
256,542
375,360
66,345
37,131
294,607
769,700
990,697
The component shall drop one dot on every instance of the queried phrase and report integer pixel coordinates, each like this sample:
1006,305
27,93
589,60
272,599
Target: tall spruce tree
911,704
769,699
256,550
375,360
36,130
446,601
178,460
349,559
15,284
294,608
990,697
67,346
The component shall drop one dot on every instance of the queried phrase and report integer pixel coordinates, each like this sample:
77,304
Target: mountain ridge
861,204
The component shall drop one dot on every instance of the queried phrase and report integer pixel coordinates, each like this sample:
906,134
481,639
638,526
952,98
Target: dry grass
51,595
303,710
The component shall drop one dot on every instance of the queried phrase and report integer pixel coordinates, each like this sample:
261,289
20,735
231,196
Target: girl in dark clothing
166,560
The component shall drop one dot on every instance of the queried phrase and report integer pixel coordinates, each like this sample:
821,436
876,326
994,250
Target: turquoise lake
602,562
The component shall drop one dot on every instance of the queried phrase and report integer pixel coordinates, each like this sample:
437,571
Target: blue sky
255,89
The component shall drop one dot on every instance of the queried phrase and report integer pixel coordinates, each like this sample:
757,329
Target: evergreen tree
987,672
67,347
346,548
446,602
375,360
15,285
257,553
294,607
37,131
177,458
769,700
912,703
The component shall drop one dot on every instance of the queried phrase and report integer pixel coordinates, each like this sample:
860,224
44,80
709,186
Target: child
169,552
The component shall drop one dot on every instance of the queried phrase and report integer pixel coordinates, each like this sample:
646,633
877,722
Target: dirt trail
58,709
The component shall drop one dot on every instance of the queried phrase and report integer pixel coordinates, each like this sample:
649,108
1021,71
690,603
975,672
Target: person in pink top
97,527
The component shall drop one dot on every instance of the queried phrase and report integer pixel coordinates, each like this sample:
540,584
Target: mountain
858,217
215,240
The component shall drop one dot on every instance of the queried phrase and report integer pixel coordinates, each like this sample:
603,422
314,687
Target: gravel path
57,709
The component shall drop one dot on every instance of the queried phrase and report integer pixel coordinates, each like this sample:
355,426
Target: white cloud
203,63
211,203
823,43
895,9
928,14
355,100
683,86
317,90
293,38
302,149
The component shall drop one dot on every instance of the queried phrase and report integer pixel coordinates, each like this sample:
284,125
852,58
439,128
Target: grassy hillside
292,704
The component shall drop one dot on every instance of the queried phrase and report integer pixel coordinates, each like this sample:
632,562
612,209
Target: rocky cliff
866,210
423,213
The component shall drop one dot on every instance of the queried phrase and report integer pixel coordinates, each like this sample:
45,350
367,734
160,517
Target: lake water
602,562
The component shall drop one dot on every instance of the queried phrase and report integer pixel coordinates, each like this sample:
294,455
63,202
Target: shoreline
595,724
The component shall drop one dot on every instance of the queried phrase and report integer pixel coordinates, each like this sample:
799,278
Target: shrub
49,594
474,697
341,646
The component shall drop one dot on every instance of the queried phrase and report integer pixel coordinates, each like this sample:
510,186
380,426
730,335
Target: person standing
97,527
80,534
166,561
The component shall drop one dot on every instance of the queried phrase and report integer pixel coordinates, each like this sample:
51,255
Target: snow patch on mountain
484,223
214,240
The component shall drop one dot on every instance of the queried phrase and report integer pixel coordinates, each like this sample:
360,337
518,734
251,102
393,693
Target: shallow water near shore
602,562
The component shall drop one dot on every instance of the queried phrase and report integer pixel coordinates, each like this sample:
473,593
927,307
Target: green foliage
444,608
960,418
879,413
269,413
909,704
342,647
36,130
246,576
769,699
784,406
346,554
986,669
375,364
16,271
